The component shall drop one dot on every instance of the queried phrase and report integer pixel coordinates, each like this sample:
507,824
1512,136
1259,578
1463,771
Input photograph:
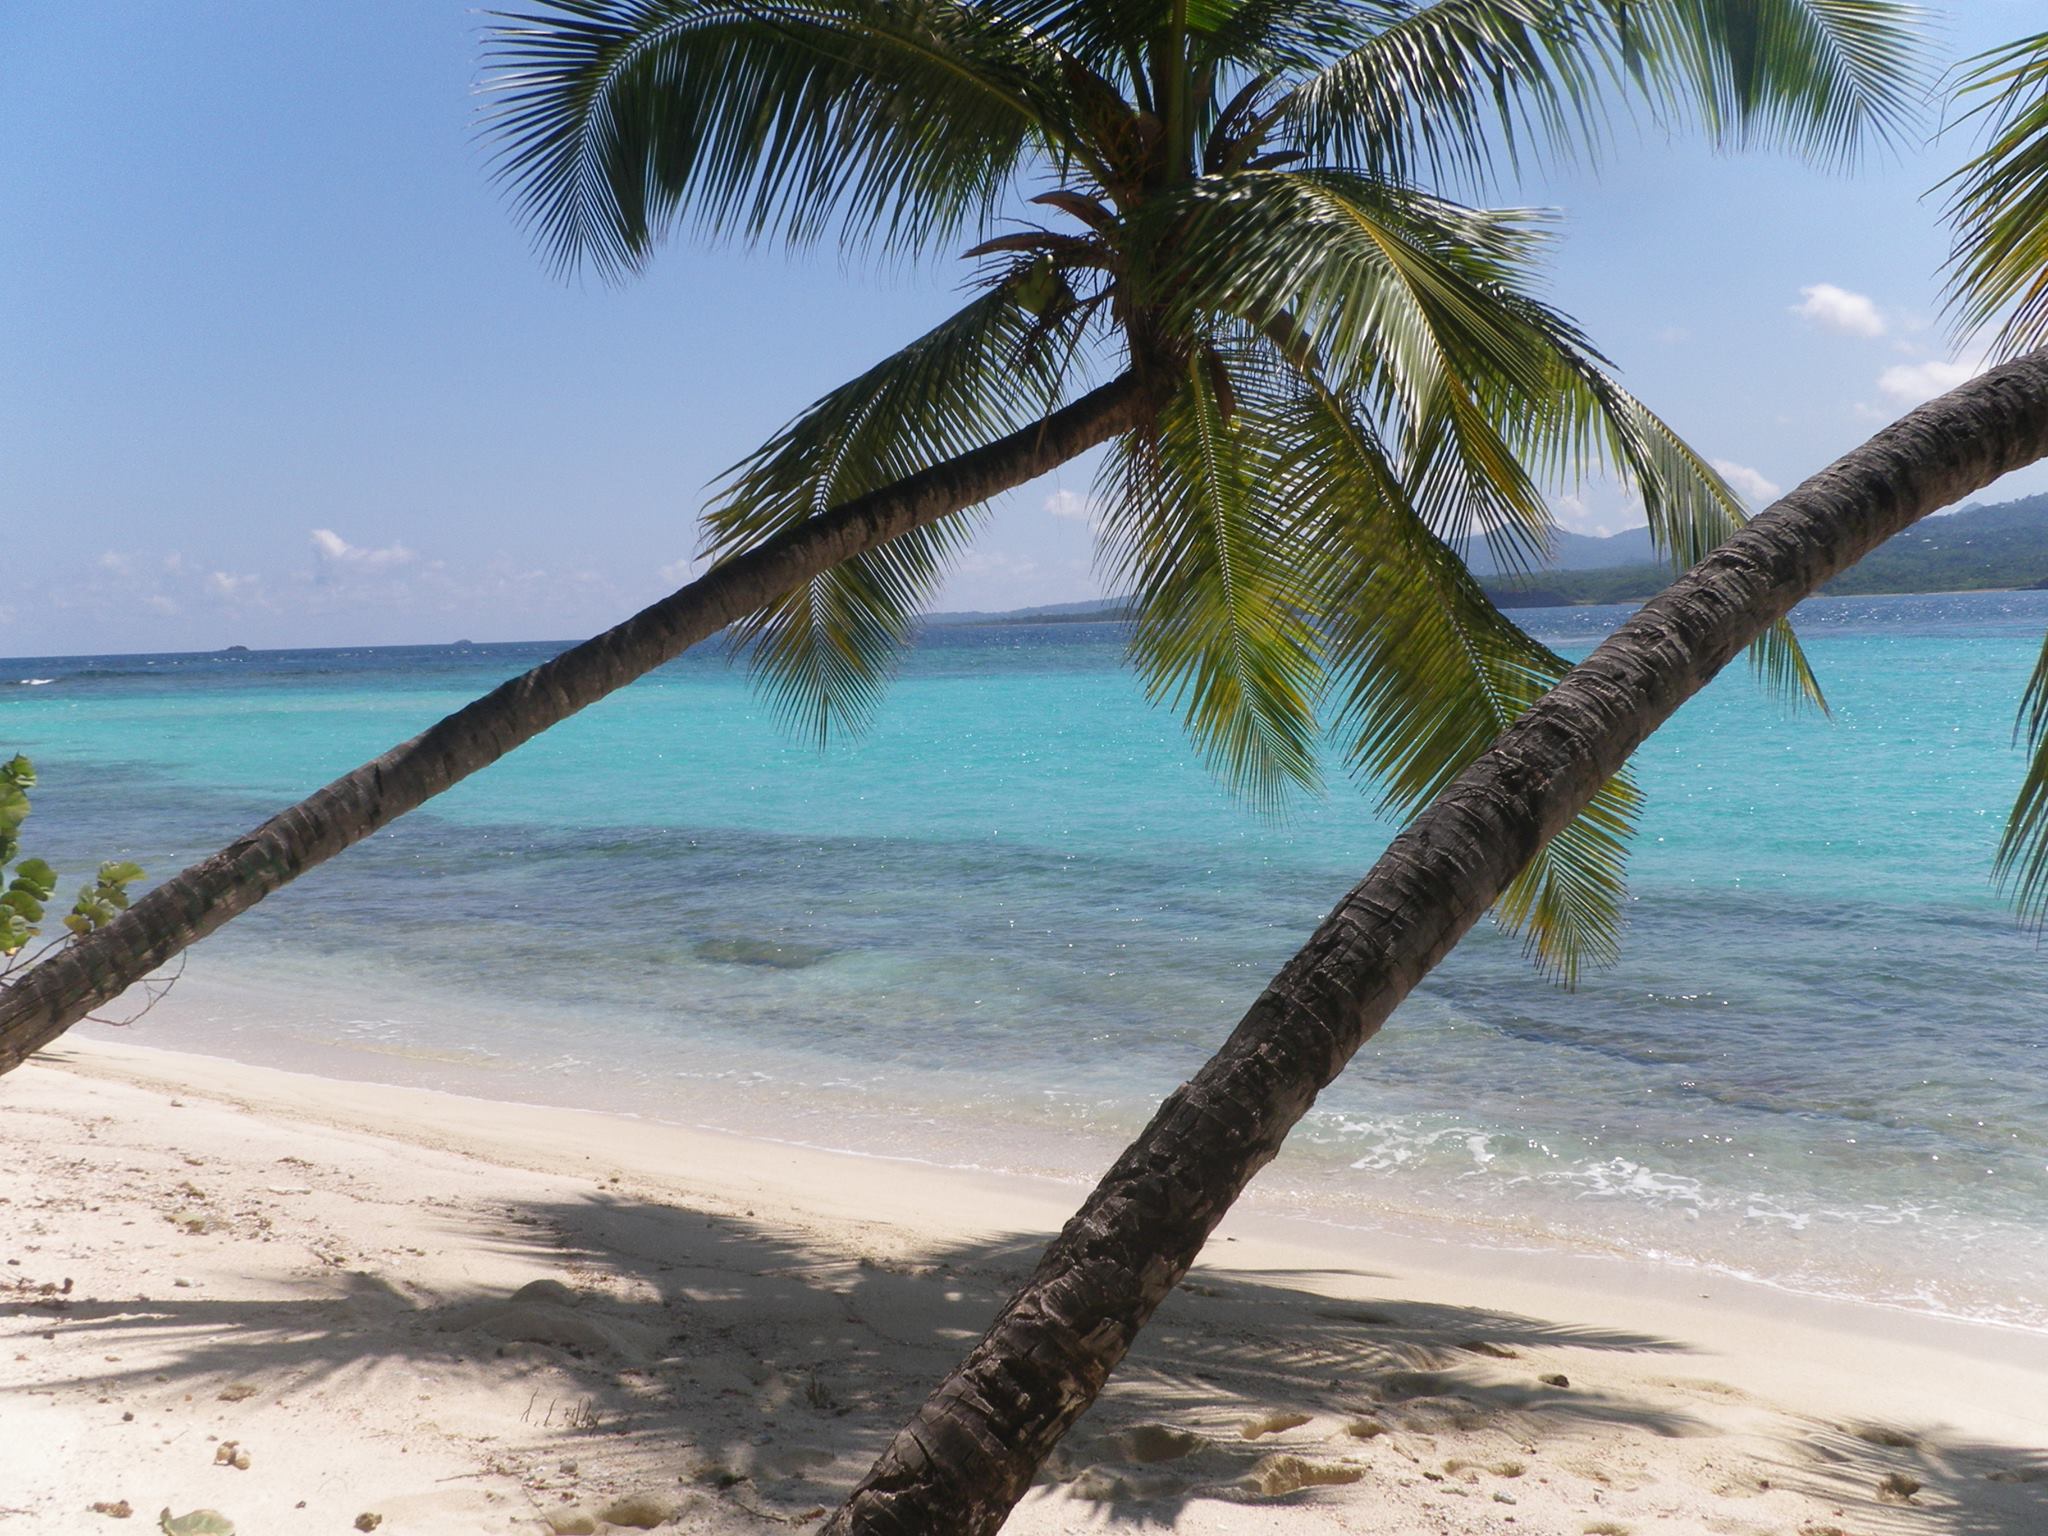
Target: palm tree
971,1450
1324,374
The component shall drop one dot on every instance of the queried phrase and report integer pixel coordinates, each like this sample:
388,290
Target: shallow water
996,930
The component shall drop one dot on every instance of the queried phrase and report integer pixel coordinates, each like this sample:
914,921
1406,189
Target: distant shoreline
1061,615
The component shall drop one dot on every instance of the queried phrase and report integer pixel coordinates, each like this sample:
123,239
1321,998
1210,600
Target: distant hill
1974,550
1096,610
1579,552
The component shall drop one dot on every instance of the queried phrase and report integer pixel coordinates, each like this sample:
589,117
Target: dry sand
473,1317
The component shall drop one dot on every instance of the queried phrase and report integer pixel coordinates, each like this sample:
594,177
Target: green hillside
1973,550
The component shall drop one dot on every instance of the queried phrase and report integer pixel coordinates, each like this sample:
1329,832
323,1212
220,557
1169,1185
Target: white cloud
1069,506
1671,336
676,572
1909,384
333,547
1748,483
1837,309
226,584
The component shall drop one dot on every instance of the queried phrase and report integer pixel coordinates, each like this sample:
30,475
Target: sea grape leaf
35,877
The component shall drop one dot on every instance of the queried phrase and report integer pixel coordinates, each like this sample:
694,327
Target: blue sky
281,367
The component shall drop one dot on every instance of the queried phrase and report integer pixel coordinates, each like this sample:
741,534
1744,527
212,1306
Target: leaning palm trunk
969,1453
46,1000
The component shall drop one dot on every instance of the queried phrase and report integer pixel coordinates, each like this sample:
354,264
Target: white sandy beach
464,1316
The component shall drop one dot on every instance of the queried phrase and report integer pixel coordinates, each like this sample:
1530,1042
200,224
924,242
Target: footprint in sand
1398,1386
1279,1475
549,1312
1147,1444
1099,1485
1272,1423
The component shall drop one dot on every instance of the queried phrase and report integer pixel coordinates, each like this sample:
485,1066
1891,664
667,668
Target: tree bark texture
47,999
959,1466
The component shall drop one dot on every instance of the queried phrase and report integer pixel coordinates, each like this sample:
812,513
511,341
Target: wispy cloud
336,550
1748,483
1069,506
1909,384
1837,309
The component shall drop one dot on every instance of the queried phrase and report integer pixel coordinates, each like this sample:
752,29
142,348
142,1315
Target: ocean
994,931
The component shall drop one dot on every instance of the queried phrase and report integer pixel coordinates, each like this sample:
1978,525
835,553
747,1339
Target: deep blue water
995,930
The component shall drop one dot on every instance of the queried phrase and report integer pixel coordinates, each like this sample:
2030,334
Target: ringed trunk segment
962,1462
53,995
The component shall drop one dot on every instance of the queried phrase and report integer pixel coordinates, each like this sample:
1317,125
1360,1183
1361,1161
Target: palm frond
898,120
1223,629
1401,291
1417,308
1441,85
1690,508
1431,673
1816,76
2021,868
1998,201
824,652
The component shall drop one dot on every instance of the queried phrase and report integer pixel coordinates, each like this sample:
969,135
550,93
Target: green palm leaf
2022,864
1439,86
768,118
1999,200
1223,630
1417,307
1401,292
825,650
1998,265
1430,673
1690,509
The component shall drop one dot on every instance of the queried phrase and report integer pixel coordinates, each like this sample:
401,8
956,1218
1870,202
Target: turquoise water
998,929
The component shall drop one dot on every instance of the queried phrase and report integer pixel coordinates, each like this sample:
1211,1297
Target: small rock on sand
368,1520
118,1509
1898,1488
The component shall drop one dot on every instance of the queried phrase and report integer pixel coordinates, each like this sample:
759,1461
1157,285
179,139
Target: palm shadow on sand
737,1357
